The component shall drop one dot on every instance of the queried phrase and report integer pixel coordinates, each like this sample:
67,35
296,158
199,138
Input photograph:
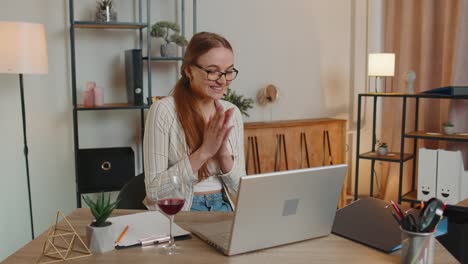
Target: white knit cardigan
166,151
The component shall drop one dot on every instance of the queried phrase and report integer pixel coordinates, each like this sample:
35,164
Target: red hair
188,112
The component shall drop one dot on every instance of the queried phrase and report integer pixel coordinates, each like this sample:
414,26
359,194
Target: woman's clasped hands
215,143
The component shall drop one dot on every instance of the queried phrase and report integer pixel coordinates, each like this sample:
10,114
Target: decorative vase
169,50
100,239
382,150
449,130
106,15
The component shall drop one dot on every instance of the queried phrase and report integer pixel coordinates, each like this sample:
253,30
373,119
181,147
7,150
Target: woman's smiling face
218,59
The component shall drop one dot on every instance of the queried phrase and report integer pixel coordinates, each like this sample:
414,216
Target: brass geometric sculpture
62,243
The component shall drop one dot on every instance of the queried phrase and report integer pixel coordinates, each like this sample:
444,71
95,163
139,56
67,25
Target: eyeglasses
216,75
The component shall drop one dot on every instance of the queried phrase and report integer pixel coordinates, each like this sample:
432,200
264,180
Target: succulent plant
447,124
101,209
383,145
105,11
244,104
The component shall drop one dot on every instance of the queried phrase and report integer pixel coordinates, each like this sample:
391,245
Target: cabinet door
262,140
267,138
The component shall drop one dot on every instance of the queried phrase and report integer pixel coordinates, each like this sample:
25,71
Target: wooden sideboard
281,145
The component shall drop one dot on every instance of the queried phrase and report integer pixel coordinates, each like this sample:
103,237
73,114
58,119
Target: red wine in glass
171,206
170,198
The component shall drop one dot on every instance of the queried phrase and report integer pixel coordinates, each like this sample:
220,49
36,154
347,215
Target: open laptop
277,208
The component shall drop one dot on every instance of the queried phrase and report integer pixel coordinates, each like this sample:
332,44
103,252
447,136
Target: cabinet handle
106,166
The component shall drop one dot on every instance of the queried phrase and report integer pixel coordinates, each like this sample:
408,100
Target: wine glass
171,198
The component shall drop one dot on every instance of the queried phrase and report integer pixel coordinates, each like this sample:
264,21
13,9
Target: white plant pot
100,239
382,151
169,50
449,130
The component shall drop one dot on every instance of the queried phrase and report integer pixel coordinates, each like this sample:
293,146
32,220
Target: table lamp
381,65
23,51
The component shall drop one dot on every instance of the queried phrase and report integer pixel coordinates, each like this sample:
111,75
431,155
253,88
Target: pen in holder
417,247
417,231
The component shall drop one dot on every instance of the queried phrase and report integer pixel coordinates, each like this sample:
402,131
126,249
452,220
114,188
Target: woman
196,134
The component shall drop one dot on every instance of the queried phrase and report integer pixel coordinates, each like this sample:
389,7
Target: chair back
132,194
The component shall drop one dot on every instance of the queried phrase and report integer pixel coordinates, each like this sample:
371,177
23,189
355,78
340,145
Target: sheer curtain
424,35
459,109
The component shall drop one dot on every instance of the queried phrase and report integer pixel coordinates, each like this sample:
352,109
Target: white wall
49,132
311,50
300,46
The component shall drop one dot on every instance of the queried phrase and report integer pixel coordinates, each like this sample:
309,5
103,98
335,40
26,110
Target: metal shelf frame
140,25
400,157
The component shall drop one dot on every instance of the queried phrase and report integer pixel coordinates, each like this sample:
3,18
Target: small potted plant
382,148
448,128
242,103
105,11
170,33
100,233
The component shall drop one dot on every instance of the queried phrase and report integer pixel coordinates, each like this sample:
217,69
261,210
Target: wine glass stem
171,242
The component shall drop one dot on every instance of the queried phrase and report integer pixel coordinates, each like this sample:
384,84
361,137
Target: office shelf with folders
134,28
408,132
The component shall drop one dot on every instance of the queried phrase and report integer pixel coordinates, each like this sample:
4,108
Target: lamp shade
23,48
381,64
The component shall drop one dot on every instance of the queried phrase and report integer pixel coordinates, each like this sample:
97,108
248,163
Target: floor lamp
381,65
23,50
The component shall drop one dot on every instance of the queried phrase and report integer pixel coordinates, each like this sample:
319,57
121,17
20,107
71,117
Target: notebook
369,222
145,226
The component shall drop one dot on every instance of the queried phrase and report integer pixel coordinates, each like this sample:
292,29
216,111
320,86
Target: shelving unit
400,157
142,26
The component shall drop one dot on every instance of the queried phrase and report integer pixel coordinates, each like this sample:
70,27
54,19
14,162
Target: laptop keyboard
220,240
217,234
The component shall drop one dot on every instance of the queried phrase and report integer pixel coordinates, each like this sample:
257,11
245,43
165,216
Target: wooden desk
463,203
330,249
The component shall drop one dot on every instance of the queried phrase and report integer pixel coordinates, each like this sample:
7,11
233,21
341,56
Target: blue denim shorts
210,202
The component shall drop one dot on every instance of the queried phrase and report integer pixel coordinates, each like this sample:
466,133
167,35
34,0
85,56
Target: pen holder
417,247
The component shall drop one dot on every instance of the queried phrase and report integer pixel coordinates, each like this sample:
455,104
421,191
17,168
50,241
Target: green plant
242,103
383,145
101,209
447,124
163,29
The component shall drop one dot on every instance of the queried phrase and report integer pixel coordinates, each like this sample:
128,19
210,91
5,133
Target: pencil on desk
122,234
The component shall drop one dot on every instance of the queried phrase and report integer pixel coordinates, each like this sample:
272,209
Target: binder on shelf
441,174
449,90
427,174
134,76
451,181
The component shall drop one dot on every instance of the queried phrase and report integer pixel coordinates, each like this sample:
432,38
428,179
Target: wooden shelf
113,106
165,58
109,25
419,95
437,136
410,197
390,157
